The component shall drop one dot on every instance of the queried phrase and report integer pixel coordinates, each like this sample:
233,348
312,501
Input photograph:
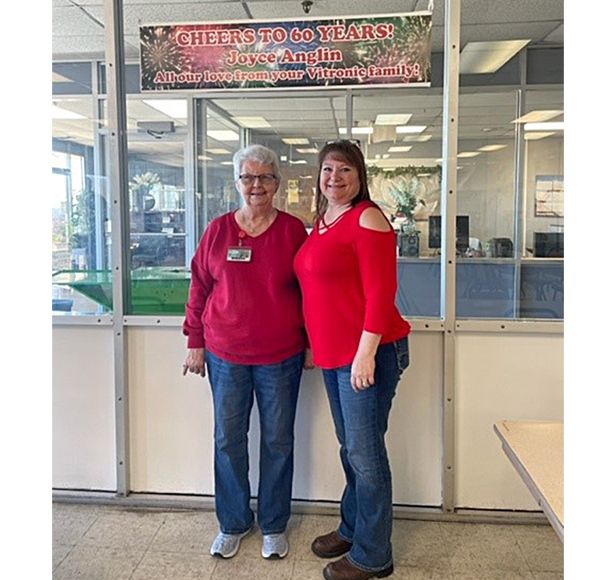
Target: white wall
83,439
515,376
504,376
171,426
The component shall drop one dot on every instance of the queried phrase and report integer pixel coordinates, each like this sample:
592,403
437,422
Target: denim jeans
276,387
360,419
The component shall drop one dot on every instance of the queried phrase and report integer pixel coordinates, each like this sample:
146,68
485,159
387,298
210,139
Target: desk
536,450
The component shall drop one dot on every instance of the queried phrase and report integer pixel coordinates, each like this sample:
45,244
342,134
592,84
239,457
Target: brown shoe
330,546
344,570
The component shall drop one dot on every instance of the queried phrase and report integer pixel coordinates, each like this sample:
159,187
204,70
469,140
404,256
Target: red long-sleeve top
247,312
348,280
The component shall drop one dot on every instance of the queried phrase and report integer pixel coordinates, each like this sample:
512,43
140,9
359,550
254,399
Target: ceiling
485,117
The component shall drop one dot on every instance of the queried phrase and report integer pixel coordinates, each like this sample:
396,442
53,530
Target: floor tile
124,530
476,547
58,553
93,563
253,569
541,547
548,576
71,522
418,573
309,528
308,570
493,575
191,531
174,566
420,544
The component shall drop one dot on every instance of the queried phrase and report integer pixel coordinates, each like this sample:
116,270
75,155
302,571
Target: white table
536,450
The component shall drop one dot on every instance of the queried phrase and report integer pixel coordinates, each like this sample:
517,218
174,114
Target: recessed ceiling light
223,135
469,154
537,116
296,141
400,149
491,147
537,135
392,119
488,57
410,129
544,126
358,131
252,122
177,109
60,113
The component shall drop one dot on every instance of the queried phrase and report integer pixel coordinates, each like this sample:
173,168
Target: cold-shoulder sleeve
376,253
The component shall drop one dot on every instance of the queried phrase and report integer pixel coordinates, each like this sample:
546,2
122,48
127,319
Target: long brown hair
350,153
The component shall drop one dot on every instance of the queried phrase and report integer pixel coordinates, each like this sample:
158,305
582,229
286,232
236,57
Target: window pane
157,141
485,219
401,136
79,209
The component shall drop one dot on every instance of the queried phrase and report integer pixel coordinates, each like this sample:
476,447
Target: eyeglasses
264,178
355,142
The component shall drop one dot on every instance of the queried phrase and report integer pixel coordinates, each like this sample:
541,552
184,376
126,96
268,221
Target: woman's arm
375,272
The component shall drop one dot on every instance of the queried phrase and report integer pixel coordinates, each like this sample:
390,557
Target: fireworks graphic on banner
159,52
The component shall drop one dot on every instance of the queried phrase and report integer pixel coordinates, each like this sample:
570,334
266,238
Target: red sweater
348,280
247,312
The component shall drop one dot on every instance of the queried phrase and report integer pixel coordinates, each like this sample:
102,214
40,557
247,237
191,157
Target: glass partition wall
510,214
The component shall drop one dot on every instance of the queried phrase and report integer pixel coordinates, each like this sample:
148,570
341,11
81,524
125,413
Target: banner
354,51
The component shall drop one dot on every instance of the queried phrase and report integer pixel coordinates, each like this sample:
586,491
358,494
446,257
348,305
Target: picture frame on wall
550,196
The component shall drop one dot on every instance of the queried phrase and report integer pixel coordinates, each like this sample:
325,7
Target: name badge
239,254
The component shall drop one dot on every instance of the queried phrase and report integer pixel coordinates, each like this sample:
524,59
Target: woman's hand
195,361
308,360
362,371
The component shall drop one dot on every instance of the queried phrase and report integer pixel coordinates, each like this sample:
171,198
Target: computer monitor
462,231
549,245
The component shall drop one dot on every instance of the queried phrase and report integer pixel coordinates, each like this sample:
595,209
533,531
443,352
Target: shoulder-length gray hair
255,153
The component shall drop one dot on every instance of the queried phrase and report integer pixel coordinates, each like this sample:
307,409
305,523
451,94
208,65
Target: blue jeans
360,419
234,386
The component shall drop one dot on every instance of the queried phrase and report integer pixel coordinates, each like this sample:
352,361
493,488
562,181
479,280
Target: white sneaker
227,545
275,546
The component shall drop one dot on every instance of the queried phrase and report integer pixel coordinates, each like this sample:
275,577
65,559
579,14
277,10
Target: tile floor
113,543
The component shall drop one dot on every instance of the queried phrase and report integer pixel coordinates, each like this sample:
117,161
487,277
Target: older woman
347,271
244,323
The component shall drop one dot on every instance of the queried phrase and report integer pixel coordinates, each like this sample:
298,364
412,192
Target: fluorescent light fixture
410,129
218,151
177,109
544,126
538,135
537,116
400,149
488,57
226,162
465,154
310,150
60,113
252,122
491,147
283,158
392,119
386,156
296,141
204,158
224,135
417,138
298,162
357,131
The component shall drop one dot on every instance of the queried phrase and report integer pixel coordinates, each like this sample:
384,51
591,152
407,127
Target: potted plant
404,194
